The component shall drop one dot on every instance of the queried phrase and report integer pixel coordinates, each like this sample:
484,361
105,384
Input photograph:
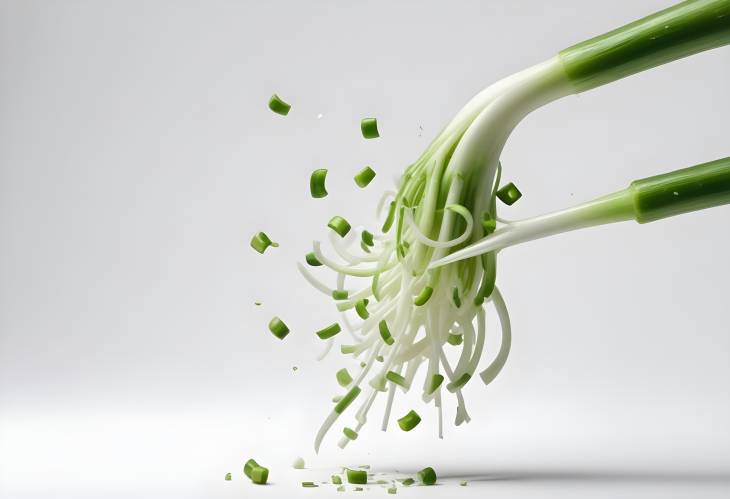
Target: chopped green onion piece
423,296
312,259
337,479
339,225
363,364
380,358
408,481
309,484
340,294
278,328
389,219
455,297
427,476
336,398
378,383
343,377
356,476
396,378
392,490
509,194
489,224
462,483
316,183
409,421
361,308
260,241
364,177
228,477
345,349
347,400
257,303
350,433
436,381
385,333
329,331
259,475
279,106
248,466
456,384
369,128
454,339
298,463
364,247
367,238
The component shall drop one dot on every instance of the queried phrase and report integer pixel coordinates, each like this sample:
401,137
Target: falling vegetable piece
347,400
454,339
248,466
361,308
278,328
350,433
385,333
343,377
228,477
356,476
309,484
339,225
277,105
367,238
260,241
458,383
409,421
427,476
311,259
298,463
396,378
337,479
408,481
365,176
340,294
369,128
392,490
259,475
329,331
509,194
435,382
423,296
316,183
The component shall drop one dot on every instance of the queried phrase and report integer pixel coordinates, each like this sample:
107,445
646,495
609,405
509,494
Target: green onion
346,349
392,490
361,308
298,463
260,241
340,294
312,259
436,381
509,194
339,225
408,481
350,433
309,484
389,219
248,466
336,479
259,475
458,383
257,303
489,224
365,176
396,378
316,183
427,476
378,383
228,477
369,128
423,296
363,364
379,358
409,421
279,106
367,238
454,339
462,483
385,333
343,377
455,297
329,331
347,400
278,328
356,476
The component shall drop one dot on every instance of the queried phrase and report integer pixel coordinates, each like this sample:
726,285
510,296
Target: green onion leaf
259,475
409,421
312,260
389,219
309,484
279,106
345,349
364,177
427,476
339,225
336,479
369,128
347,400
316,183
385,333
408,481
392,490
278,328
455,297
509,194
329,331
228,477
248,466
260,241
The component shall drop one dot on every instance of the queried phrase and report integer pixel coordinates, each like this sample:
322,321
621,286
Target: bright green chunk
248,466
489,224
367,238
361,308
277,105
456,384
369,128
260,241
347,400
385,333
259,475
312,259
329,331
278,328
340,294
350,433
409,421
309,484
228,477
339,225
317,183
423,296
454,339
356,476
427,476
336,479
365,176
509,194
389,219
396,378
455,297
436,381
343,377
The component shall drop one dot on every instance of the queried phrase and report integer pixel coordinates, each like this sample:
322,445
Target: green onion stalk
432,268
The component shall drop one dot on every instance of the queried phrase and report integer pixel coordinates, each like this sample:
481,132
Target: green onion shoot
409,421
369,128
278,328
316,183
365,176
260,241
277,105
339,225
329,331
311,259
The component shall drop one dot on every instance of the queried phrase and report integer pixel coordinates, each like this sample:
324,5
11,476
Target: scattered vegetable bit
294,368
389,219
379,358
454,339
347,400
228,477
489,224
369,128
361,308
409,421
259,475
463,483
340,294
257,303
339,225
368,238
337,479
385,333
408,481
260,241
343,377
309,484
392,490
356,476
358,489
336,398
436,381
455,297
396,378
248,466
364,177
509,194
378,383
423,296
312,260
350,433
458,383
316,183
363,364
278,328
277,105
427,476
298,463
345,349
329,331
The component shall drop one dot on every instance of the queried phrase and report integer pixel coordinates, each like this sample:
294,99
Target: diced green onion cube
343,377
427,476
336,479
458,383
228,477
312,259
365,176
367,238
361,308
329,331
385,333
408,481
369,128
396,378
259,475
339,225
316,183
436,381
279,106
423,296
248,466
260,241
454,339
347,400
509,194
409,421
356,476
298,463
340,294
278,328
350,433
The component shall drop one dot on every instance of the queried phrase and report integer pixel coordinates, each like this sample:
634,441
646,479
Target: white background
137,158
